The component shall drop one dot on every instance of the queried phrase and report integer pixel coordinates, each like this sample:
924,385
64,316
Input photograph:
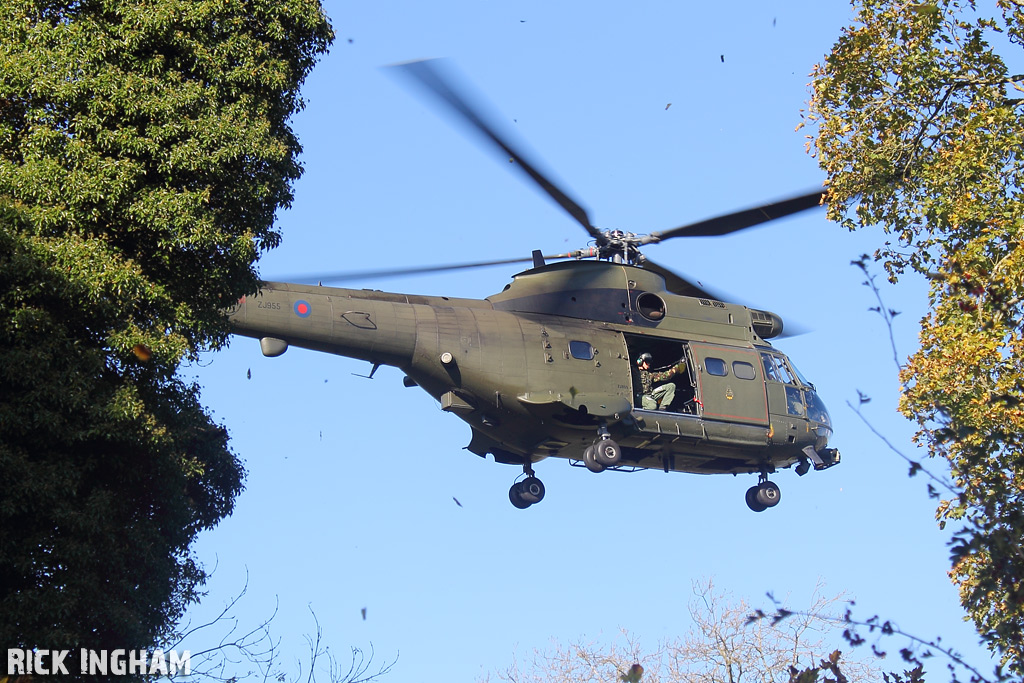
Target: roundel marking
302,308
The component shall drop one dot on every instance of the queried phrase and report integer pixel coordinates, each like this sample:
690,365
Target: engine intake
765,323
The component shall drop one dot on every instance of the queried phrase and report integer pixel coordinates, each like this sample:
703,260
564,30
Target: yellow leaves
965,388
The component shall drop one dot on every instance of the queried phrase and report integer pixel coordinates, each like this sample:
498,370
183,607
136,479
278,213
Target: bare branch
239,655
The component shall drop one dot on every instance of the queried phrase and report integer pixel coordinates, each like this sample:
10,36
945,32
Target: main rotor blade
793,329
741,220
401,272
428,73
677,284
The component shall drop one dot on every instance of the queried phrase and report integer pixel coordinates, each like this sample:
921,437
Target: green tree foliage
919,128
144,151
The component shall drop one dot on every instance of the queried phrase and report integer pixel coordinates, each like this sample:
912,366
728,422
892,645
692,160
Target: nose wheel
763,496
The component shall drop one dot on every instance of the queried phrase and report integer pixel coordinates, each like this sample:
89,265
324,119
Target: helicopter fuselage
547,367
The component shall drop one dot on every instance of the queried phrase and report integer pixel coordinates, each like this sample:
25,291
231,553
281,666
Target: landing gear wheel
768,494
516,497
590,460
531,490
525,493
752,502
607,453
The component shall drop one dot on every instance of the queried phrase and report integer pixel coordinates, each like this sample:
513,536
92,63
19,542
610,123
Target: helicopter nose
823,435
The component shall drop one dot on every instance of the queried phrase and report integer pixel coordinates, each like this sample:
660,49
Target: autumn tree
144,150
917,120
724,645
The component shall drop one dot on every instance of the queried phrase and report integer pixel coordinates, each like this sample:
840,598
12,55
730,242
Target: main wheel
607,453
752,502
516,497
590,460
768,494
531,490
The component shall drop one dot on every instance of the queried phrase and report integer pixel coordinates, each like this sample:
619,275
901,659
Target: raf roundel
302,308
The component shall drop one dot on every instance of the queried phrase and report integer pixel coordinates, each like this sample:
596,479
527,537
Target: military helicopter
558,364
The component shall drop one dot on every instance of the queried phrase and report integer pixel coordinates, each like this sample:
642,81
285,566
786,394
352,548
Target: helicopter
559,363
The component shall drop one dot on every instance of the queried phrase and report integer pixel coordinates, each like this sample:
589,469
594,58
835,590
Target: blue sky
348,503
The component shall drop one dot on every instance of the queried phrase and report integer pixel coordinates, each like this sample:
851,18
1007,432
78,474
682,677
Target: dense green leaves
920,129
144,151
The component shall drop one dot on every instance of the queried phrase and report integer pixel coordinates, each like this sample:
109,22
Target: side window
581,350
716,367
743,370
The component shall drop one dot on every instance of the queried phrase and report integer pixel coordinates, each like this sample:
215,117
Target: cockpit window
803,380
794,402
801,398
816,408
775,369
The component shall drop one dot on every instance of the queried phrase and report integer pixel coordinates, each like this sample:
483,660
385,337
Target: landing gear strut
763,496
525,493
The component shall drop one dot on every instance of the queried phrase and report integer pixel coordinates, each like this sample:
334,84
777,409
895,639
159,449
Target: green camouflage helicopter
559,363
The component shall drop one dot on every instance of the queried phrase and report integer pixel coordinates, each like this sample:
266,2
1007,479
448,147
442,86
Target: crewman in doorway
657,397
